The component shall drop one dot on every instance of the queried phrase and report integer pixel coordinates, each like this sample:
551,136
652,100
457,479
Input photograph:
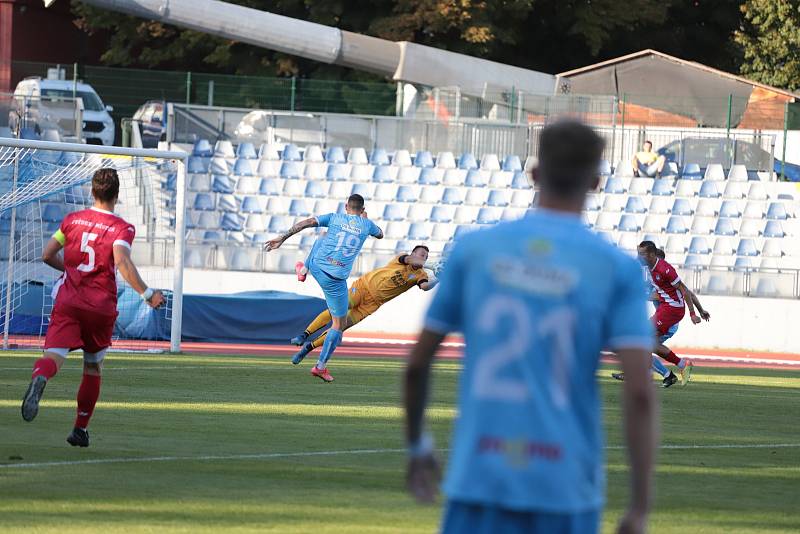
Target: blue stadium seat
246,150
729,209
724,227
676,225
280,224
52,213
488,216
747,247
231,222
197,165
693,260
340,209
379,157
710,190
430,176
628,223
777,211
512,163
243,167
299,208
269,186
338,172
316,190
605,168
221,183
204,202
663,187
699,245
774,229
423,159
476,178
202,148
520,181
213,236
681,206
362,189
463,229
292,169
335,154
394,212
467,161
635,205
498,198
406,193
441,214
452,196
251,205
382,174
614,186
419,231
691,171
744,263
291,153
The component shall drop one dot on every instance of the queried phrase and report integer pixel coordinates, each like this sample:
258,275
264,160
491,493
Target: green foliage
770,39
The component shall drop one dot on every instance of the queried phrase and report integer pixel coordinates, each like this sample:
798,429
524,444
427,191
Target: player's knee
93,368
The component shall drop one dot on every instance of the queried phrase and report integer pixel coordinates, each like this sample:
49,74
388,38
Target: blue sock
332,341
659,367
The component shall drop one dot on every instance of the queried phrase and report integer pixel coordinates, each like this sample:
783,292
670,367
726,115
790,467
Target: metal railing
29,117
745,282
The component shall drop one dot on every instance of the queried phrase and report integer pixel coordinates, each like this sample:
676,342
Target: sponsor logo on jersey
534,277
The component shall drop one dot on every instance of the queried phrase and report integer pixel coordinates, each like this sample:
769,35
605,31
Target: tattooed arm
298,227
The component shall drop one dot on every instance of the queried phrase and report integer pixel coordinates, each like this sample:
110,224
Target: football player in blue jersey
537,299
330,263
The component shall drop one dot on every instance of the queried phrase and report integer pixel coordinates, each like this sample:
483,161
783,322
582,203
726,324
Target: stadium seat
419,231
745,264
213,236
522,199
248,185
738,173
592,203
512,163
397,230
751,228
730,209
222,184
219,166
691,171
655,224
635,205
291,153
378,156
442,214
663,187
278,205
294,188
228,202
268,168
681,206
754,210
724,246
317,190
512,214
443,232
500,179
269,151
693,260
453,195
269,186
431,194
777,211
659,205
327,206
605,168
195,165
200,183
255,223
757,191
670,170
361,173
489,162
365,190
445,160
407,193
714,172
768,263
498,198
246,150
703,225
385,192
395,212
615,186
708,207
279,224
251,205
709,190
243,167
614,203
465,215
196,257
357,156
299,208
430,176
488,215
717,284
628,223
699,245
338,172
202,148
467,161
747,247
204,202
622,169
315,171
231,222
628,241
520,181
423,159
608,236
454,177
292,169
313,154
774,229
765,288
476,197
224,149
464,229
335,154
384,174
408,175
419,213
725,227
735,190
676,225
606,221
772,248
476,178
676,244
641,186
401,158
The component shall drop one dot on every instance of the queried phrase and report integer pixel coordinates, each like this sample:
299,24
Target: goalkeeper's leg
318,323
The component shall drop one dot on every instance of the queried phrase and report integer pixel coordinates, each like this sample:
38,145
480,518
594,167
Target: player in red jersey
675,296
96,243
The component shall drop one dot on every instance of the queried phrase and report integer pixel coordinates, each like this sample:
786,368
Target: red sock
672,358
87,398
45,367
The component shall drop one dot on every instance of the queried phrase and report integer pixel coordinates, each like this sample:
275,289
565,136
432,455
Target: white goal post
42,181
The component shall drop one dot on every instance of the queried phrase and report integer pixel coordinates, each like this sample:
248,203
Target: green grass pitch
255,444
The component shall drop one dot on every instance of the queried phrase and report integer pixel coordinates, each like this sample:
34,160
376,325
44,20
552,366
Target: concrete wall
771,325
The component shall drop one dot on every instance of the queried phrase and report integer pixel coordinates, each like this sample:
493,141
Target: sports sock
317,343
322,319
88,392
672,358
332,340
45,367
682,363
659,367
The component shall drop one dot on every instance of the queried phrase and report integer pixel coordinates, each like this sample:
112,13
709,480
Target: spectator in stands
648,162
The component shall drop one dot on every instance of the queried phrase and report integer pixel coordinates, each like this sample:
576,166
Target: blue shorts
334,289
669,334
462,517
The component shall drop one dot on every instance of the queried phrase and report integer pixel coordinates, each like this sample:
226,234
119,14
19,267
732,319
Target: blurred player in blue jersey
537,299
330,262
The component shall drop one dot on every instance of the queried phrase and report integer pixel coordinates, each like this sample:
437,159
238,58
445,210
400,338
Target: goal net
42,182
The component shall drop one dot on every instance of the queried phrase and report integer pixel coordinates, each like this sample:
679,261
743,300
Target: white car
98,126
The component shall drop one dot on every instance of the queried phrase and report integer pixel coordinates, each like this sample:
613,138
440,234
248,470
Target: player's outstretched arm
641,414
296,228
51,256
430,284
422,477
124,263
687,297
703,313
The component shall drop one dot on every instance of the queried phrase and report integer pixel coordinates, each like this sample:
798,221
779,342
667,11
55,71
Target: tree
770,40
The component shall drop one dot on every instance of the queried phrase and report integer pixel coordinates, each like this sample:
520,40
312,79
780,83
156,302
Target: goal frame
180,217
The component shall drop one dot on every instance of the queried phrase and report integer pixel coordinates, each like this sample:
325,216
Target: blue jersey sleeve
374,230
445,312
628,325
324,220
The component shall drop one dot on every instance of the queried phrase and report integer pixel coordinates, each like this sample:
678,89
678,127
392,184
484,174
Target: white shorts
88,357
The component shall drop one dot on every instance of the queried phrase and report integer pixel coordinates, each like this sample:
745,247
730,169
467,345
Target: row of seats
690,171
704,207
685,188
701,245
678,224
202,149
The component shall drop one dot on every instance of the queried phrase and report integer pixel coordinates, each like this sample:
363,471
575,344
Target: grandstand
720,224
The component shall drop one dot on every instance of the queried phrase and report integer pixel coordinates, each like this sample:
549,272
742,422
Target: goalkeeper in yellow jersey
369,293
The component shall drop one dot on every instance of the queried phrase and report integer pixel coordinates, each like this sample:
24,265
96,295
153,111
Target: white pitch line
273,455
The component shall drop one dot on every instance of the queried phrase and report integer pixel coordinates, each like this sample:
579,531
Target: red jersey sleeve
124,236
671,275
